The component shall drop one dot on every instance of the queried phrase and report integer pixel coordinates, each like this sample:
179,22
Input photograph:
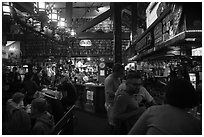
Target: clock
102,65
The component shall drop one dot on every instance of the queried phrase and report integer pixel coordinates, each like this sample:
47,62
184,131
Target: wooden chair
64,122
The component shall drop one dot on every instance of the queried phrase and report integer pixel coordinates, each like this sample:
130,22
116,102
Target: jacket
19,122
44,124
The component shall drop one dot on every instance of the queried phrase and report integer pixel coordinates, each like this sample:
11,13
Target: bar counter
91,97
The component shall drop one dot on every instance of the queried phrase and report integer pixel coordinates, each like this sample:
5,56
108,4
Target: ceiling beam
25,7
98,35
94,21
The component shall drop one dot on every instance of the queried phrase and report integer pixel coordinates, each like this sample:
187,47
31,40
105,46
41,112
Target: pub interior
62,52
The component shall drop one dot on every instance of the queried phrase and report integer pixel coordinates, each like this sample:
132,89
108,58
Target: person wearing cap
171,118
43,120
18,120
111,84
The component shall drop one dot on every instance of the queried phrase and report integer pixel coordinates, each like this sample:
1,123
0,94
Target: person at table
38,77
68,91
45,81
18,120
42,120
111,84
171,118
126,109
55,106
142,95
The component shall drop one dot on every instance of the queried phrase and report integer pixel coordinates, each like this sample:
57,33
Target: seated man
141,95
126,108
173,117
55,106
69,93
18,120
43,120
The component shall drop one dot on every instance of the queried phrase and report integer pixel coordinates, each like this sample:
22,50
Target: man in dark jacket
18,120
69,93
15,80
55,106
43,121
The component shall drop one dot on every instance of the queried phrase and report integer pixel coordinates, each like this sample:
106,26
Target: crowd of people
25,111
132,110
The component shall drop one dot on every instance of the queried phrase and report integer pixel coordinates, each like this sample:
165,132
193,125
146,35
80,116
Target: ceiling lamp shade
53,16
62,23
72,33
6,8
40,6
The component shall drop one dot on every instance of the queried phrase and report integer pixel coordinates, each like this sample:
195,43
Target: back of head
63,87
133,74
20,123
14,69
118,70
40,104
28,76
181,93
118,67
17,97
30,68
68,90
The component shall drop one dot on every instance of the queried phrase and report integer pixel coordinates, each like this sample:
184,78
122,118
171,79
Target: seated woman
171,118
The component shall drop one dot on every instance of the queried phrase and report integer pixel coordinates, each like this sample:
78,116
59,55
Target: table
48,93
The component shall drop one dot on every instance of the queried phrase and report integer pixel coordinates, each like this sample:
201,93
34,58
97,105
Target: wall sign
85,43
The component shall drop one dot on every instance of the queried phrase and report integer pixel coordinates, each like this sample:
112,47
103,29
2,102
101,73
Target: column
116,15
134,19
68,15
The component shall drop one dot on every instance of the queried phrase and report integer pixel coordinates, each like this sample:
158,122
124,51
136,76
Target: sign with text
85,43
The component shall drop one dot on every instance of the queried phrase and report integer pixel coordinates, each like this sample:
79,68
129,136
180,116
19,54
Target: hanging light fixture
49,16
7,8
40,7
37,25
41,10
62,23
54,16
72,33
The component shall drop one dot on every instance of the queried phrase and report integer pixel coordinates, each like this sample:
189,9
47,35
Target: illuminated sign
85,43
197,52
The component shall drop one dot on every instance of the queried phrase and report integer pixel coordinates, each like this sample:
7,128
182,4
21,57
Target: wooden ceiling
94,10
85,9
80,9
